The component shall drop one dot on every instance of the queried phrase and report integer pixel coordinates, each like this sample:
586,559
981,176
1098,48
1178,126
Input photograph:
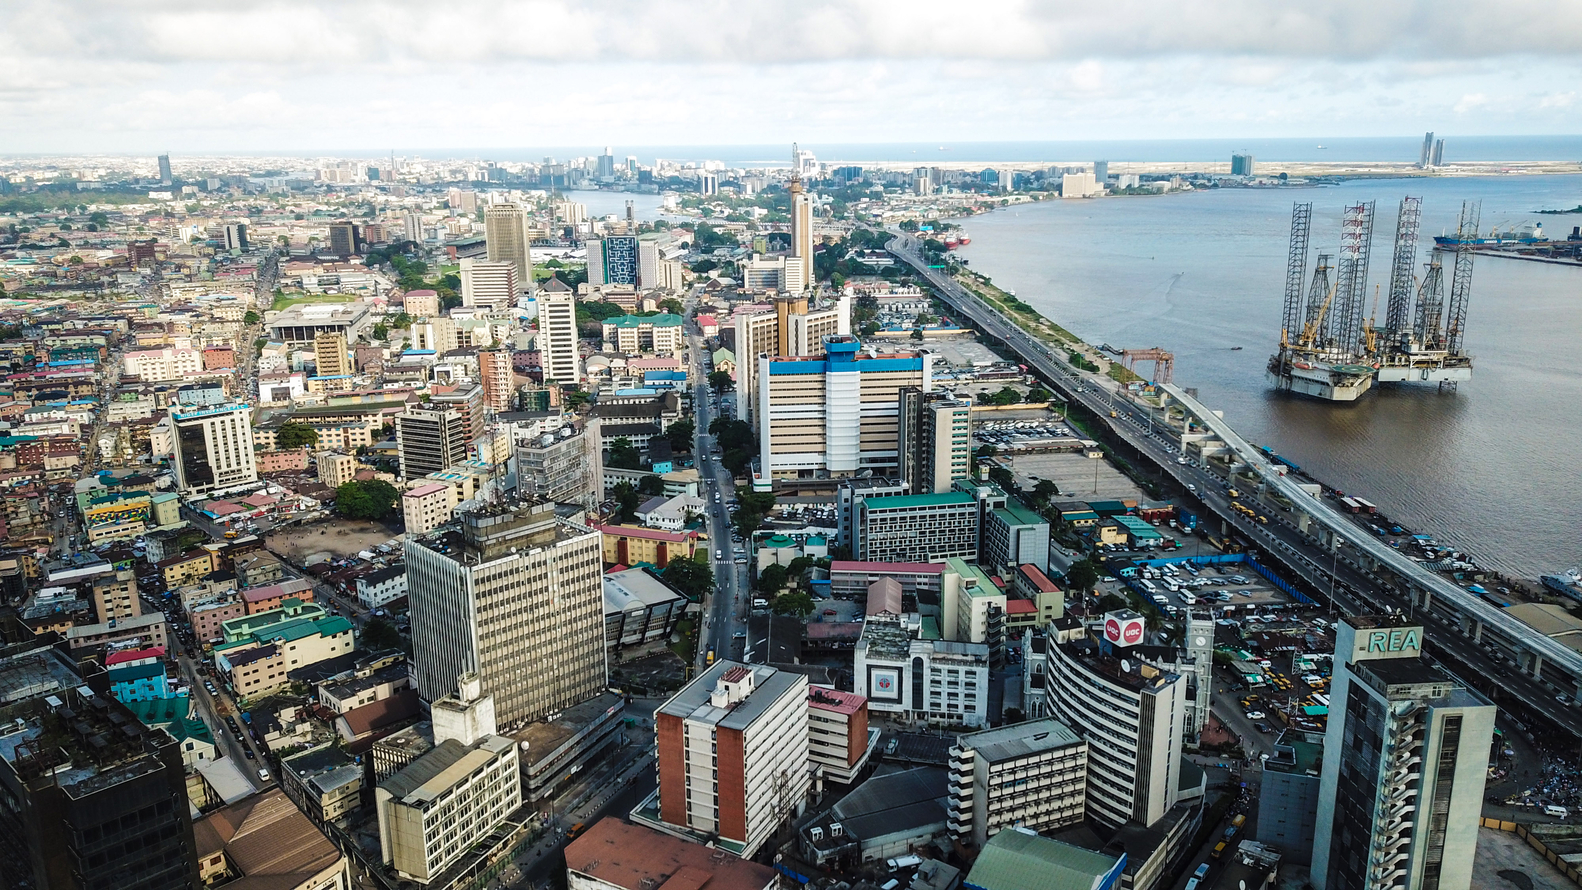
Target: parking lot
1079,476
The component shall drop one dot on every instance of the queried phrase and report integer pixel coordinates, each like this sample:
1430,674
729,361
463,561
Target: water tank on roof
546,440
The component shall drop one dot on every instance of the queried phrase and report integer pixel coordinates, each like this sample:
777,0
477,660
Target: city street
725,609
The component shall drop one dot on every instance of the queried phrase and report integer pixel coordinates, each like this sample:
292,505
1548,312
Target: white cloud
130,75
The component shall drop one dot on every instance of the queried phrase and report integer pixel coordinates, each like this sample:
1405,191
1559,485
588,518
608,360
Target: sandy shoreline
1296,169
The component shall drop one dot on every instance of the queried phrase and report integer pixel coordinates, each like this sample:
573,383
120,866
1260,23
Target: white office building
492,285
213,448
1031,775
557,338
933,682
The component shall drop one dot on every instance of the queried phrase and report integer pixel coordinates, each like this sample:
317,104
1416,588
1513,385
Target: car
249,752
1256,715
263,773
1263,728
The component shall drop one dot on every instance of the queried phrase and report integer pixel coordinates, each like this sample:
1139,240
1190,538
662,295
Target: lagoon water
1495,468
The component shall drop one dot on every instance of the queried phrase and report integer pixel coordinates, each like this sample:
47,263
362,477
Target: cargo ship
1528,233
957,239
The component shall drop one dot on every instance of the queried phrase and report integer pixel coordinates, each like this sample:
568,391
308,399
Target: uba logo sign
1124,631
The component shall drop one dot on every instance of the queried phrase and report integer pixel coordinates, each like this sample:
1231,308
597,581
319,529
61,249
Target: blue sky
144,75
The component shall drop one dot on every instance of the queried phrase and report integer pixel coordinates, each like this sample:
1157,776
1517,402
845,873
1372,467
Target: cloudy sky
143,75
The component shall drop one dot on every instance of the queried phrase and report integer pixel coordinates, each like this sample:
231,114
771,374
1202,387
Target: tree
1083,575
1002,477
692,577
794,603
295,435
1037,394
671,306
1044,491
917,334
379,634
251,318
624,455
651,485
773,578
720,381
908,225
373,499
381,331
746,522
680,435
627,500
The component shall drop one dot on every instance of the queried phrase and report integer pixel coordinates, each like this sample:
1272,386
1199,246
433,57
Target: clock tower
1200,645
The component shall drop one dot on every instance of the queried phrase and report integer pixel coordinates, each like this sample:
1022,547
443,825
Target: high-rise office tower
557,338
1031,775
93,798
1101,172
1130,712
733,753
613,259
607,163
499,390
412,225
491,284
165,175
802,226
833,415
516,595
330,355
1241,164
343,238
1406,753
1438,160
1425,158
933,440
467,400
214,447
791,330
508,240
430,440
236,236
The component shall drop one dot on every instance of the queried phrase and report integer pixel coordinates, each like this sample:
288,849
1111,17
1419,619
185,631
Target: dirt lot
332,539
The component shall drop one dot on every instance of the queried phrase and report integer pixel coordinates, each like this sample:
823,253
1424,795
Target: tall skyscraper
1406,753
489,284
1101,172
733,753
430,440
412,225
494,367
607,163
236,236
1241,164
165,175
1425,158
508,240
934,440
93,798
802,225
557,338
330,354
214,447
343,238
613,259
1438,159
516,595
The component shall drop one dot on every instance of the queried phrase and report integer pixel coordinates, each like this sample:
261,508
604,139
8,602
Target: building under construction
1331,346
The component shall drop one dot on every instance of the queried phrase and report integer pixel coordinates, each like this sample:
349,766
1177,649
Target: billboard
1124,628
884,684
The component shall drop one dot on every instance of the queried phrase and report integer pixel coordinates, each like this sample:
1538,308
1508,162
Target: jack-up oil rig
1330,345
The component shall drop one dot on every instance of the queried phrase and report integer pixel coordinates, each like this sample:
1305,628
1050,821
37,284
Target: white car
1255,715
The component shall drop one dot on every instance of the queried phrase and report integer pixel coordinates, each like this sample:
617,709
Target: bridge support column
1537,666
1303,522
1427,603
1477,631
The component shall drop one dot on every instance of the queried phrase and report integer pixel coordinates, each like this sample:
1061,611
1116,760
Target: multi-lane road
725,607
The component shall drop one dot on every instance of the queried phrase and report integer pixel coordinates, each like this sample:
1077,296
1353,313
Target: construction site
1332,344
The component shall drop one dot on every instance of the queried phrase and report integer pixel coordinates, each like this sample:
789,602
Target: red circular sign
1112,630
1133,632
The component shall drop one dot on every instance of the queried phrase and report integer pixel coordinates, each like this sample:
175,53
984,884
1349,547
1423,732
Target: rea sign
1124,631
1398,639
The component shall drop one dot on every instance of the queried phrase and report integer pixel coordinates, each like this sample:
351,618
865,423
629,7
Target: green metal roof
1012,860
333,625
929,629
902,501
129,673
1014,515
970,573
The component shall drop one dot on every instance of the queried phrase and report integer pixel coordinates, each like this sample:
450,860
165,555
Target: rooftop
635,587
1021,740
427,778
894,568
268,840
636,858
909,501
834,700
1016,859
693,701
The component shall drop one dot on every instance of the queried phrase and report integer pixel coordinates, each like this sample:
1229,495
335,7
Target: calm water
1495,468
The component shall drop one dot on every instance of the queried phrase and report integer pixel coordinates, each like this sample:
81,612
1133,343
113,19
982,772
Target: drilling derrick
1351,297
1461,280
1427,330
1398,313
1295,271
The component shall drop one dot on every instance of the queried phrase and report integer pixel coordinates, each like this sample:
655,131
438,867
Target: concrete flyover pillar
1303,521
1537,666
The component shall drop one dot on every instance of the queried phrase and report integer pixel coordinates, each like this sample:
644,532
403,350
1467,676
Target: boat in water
1528,233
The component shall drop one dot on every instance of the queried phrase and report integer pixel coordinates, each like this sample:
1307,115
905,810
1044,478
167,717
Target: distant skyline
91,76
